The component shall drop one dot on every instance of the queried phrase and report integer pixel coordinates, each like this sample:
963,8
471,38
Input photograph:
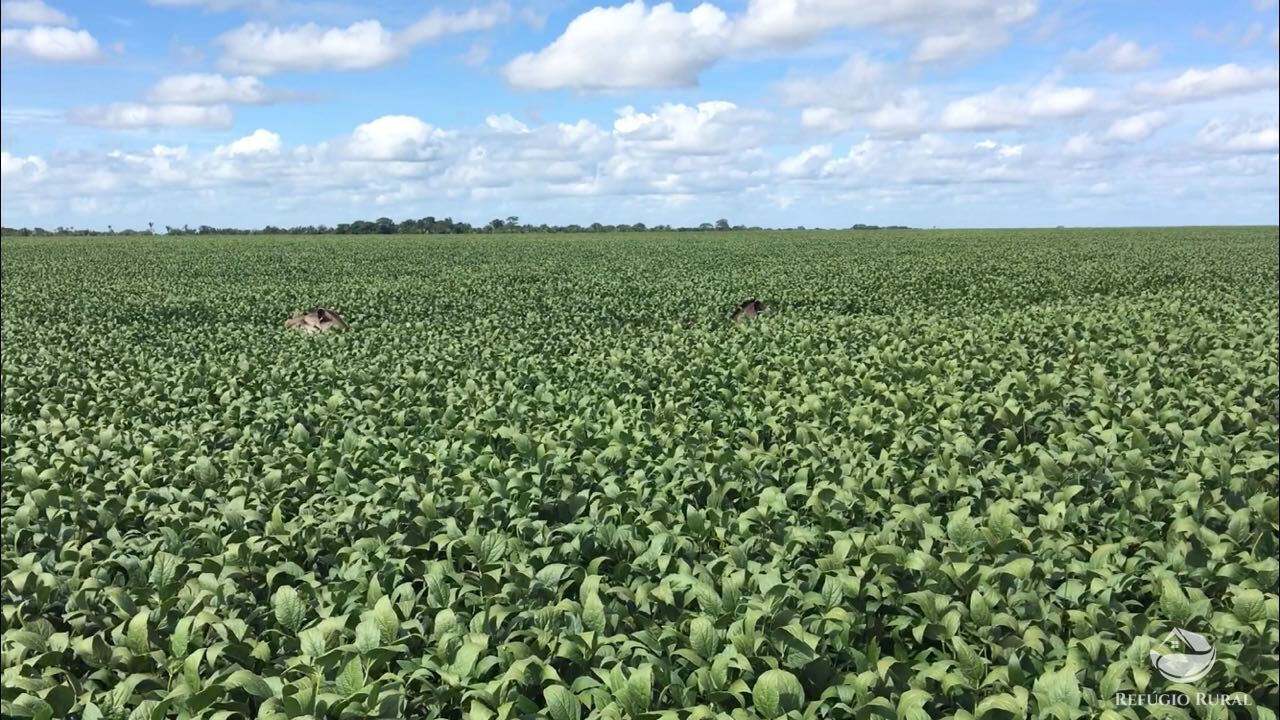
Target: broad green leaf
561,703
777,692
288,608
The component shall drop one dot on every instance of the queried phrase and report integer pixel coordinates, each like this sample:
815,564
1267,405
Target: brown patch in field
316,320
748,309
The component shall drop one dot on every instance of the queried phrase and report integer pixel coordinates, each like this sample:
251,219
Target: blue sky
823,113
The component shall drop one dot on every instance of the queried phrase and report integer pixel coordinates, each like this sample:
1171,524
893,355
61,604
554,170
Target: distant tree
429,224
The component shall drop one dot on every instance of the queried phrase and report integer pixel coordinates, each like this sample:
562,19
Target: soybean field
946,474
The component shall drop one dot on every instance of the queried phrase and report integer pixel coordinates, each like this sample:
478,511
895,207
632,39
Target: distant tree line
425,226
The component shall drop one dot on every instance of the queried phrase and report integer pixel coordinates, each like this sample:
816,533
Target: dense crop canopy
951,475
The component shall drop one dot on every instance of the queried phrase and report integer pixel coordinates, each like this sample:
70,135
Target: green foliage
952,475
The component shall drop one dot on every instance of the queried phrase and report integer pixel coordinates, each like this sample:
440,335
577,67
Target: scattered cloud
476,55
1253,136
860,83
630,46
439,23
1229,34
903,115
504,123
1196,84
50,44
807,163
1083,145
17,168
1003,108
218,5
1251,35
135,116
1000,150
1216,35
988,111
945,29
262,49
827,120
1136,128
967,42
395,137
662,158
708,128
258,142
861,92
210,89
667,47
32,12
1051,101
1113,54
10,115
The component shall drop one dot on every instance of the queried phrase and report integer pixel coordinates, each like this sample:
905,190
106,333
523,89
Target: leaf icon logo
1184,656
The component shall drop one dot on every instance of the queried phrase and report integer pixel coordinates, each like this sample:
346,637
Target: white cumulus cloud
947,28
637,45
975,40
504,123
51,44
828,120
1196,84
209,89
1002,108
1113,54
862,91
32,12
627,47
262,49
395,137
708,128
134,116
259,142
1254,136
902,115
13,167
1139,127
1083,145
439,23
216,5
807,163
1049,100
